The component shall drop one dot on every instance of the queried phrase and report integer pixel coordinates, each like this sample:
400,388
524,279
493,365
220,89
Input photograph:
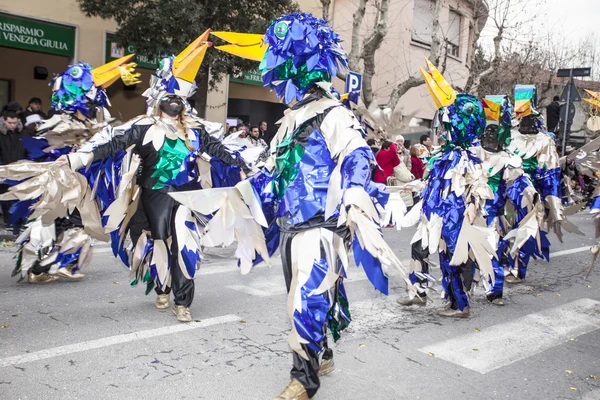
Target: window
423,21
453,33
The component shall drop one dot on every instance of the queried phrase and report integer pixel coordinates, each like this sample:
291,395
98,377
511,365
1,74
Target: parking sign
353,82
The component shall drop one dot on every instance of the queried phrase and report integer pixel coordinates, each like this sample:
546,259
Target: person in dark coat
34,107
553,114
11,150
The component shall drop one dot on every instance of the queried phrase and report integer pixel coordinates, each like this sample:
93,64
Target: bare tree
364,48
506,17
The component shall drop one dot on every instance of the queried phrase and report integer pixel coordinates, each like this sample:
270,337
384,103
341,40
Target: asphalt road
100,338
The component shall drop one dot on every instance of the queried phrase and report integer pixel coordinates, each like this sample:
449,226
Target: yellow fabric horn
109,73
245,45
188,62
440,90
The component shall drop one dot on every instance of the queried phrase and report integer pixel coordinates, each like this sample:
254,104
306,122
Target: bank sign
34,35
114,51
248,78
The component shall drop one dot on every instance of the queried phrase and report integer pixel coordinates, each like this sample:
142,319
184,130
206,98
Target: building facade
38,40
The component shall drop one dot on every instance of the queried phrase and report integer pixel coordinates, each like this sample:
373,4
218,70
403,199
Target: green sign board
249,78
34,35
114,51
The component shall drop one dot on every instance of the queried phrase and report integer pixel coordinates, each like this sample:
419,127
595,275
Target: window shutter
423,21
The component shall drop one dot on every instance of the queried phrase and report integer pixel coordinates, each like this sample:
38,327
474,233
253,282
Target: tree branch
401,90
359,14
326,4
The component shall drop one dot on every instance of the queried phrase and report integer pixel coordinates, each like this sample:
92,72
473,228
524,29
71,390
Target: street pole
566,123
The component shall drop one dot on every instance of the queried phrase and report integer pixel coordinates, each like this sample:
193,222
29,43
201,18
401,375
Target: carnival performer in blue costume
541,163
451,212
56,245
170,146
318,179
518,232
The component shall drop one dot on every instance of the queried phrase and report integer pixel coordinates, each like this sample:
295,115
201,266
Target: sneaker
498,302
326,367
418,300
42,278
68,274
293,391
182,312
513,279
162,301
450,313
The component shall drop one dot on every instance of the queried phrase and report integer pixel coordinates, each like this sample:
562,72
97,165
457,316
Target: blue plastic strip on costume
547,182
224,175
371,266
310,321
452,282
307,194
595,203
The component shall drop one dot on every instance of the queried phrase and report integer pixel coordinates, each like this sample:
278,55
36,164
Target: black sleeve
215,148
120,142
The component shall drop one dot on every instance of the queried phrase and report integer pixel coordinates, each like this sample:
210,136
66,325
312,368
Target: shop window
4,92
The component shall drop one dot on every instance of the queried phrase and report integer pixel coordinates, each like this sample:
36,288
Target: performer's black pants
305,371
160,209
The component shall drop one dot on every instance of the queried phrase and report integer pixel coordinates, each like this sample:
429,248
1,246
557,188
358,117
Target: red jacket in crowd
387,159
417,168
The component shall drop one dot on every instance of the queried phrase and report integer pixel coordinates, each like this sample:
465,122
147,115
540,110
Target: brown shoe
417,300
162,302
293,391
498,302
513,279
450,313
67,273
326,367
182,312
42,278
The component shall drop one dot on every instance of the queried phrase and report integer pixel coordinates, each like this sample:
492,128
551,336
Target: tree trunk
434,51
201,96
326,4
370,47
354,56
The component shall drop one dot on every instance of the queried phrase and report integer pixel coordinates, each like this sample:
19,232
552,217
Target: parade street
100,338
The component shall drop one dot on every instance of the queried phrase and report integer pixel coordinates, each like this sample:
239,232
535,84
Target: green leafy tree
168,26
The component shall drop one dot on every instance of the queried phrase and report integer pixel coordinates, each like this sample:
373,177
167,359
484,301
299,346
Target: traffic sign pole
566,123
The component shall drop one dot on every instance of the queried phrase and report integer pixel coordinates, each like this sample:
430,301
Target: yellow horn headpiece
109,73
188,62
440,90
245,45
594,101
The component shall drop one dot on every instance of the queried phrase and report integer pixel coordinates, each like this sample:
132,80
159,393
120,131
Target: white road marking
569,251
509,342
112,340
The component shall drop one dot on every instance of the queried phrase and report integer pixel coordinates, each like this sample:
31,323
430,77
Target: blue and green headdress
81,88
303,50
297,52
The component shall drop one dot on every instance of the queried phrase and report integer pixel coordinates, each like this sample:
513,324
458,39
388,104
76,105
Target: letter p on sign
353,82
